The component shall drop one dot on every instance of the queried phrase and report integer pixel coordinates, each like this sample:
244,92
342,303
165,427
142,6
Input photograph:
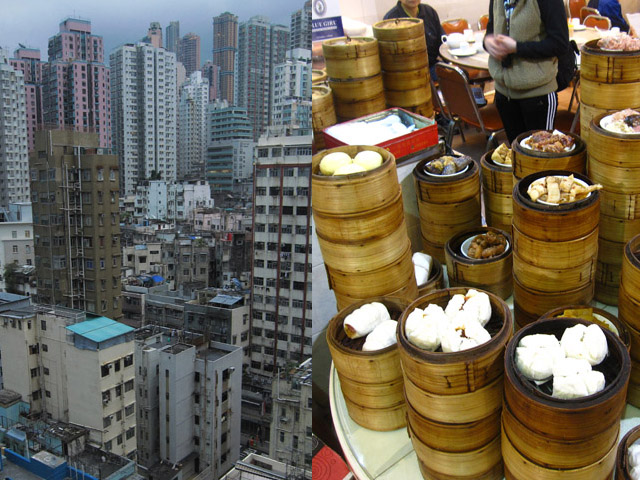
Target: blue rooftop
100,329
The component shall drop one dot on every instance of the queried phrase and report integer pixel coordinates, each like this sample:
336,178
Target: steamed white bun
585,342
381,337
368,159
332,161
348,169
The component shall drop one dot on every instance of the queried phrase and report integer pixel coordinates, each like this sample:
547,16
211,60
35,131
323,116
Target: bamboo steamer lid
396,48
396,29
463,465
355,193
550,223
527,161
623,468
492,274
454,437
619,325
318,76
456,372
608,67
558,453
576,419
351,57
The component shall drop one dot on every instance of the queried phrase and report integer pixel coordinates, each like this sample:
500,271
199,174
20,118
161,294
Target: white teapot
453,40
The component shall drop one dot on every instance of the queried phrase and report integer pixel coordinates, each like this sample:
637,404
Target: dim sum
381,337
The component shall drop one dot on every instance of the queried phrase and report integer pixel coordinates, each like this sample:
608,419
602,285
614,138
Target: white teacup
615,30
468,35
575,22
453,40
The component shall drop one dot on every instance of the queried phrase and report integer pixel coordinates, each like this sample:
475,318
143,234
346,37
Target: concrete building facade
189,54
291,93
175,201
27,60
73,369
14,159
76,222
16,238
261,46
192,127
76,82
154,35
225,47
211,72
172,37
144,113
301,27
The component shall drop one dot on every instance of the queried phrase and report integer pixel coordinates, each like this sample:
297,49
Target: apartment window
35,372
119,415
15,249
309,433
47,393
107,446
43,325
118,390
112,175
128,361
196,398
128,386
102,264
104,370
295,441
117,365
14,234
119,439
100,174
131,433
45,370
129,410
196,420
281,437
196,376
106,421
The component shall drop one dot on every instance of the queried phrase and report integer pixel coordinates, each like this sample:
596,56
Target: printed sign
326,21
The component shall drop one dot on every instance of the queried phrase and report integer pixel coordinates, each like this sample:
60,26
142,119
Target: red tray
425,136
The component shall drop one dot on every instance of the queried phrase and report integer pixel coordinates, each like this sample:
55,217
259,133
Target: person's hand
508,43
499,46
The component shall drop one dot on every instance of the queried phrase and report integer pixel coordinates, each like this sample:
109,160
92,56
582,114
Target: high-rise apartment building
154,35
261,46
27,60
281,277
76,84
225,47
173,37
76,222
211,72
301,27
188,399
74,370
143,97
291,93
192,126
190,52
229,156
14,160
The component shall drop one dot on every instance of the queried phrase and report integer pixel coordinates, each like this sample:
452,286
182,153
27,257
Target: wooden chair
598,21
575,6
461,105
455,25
586,11
483,21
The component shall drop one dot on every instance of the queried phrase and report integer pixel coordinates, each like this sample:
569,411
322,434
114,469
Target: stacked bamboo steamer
614,162
353,70
361,230
318,77
447,204
555,250
623,468
493,274
497,187
371,382
405,64
628,308
554,439
454,399
609,81
323,114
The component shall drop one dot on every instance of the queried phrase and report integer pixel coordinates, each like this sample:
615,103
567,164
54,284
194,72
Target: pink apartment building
27,60
76,89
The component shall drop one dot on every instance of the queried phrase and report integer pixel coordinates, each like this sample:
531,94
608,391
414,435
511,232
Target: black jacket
432,27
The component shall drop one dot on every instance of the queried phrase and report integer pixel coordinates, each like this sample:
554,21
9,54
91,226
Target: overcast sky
32,22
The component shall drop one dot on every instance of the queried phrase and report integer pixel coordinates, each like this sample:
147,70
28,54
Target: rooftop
8,398
100,329
226,300
10,297
13,471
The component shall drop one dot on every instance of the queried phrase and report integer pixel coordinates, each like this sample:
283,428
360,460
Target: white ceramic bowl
464,248
446,176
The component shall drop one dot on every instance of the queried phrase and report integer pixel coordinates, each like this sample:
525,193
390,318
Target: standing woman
524,39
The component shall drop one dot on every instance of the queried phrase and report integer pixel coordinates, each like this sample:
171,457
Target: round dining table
480,59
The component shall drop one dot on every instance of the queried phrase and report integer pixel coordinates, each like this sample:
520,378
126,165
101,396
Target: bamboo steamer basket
458,213
618,229
407,80
355,193
568,420
381,281
496,177
634,335
587,113
351,57
550,223
435,280
497,189
537,252
619,328
628,308
459,408
403,55
425,109
620,205
527,161
633,395
518,467
610,252
408,292
323,114
356,90
408,98
611,96
371,382
445,190
496,473
469,465
631,267
607,283
623,468
318,77
454,437
349,111
398,29
608,67
613,149
456,372
491,274
557,453
549,280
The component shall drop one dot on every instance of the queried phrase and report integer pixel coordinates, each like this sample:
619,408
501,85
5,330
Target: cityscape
155,245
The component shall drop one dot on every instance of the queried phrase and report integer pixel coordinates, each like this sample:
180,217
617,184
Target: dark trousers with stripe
524,114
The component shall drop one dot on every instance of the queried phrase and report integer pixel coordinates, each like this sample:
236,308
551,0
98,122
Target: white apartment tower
192,126
291,93
14,153
143,108
74,370
281,276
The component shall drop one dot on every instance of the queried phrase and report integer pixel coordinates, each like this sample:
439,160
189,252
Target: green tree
11,278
